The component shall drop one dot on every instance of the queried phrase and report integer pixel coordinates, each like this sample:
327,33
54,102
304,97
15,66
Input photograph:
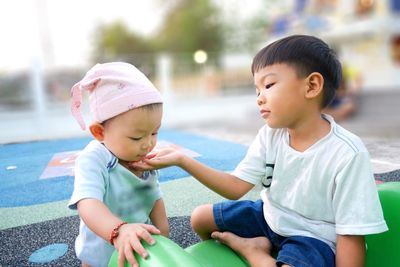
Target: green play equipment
166,253
382,249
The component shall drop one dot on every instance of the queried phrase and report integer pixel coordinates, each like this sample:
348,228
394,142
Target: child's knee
202,218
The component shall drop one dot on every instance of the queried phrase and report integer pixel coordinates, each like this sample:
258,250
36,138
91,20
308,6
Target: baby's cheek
153,143
125,152
152,147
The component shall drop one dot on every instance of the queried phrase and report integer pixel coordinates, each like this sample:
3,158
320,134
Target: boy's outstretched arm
350,251
225,184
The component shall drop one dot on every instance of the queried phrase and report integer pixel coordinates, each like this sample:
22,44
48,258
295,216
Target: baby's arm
101,221
158,217
225,184
350,251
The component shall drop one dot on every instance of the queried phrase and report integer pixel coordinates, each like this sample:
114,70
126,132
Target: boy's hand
159,159
128,241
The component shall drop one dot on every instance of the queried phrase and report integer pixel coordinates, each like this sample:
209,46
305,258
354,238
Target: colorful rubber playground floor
36,227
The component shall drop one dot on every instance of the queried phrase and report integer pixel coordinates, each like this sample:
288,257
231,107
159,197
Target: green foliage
192,25
116,42
189,25
116,39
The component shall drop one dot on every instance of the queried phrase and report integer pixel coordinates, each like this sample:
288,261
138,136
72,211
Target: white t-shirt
328,189
98,175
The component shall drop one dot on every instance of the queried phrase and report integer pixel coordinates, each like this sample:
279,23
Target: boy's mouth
264,113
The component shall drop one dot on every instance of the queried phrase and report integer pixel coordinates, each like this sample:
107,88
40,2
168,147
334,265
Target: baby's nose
147,144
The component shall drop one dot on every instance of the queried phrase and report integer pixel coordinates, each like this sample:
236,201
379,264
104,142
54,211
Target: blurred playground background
198,53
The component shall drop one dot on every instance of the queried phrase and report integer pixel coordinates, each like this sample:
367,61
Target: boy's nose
261,99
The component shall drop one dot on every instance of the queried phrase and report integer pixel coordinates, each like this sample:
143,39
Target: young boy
116,204
319,196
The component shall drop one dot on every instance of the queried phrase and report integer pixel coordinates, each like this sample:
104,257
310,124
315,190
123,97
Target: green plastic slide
382,249
166,253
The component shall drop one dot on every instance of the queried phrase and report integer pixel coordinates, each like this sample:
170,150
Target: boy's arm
225,184
350,251
158,217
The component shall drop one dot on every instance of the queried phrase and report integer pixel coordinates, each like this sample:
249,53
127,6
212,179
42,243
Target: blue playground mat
27,170
37,181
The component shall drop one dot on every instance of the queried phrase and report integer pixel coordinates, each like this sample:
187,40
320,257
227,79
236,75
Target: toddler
115,202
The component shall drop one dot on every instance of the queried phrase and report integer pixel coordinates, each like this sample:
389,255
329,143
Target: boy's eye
135,138
269,85
154,133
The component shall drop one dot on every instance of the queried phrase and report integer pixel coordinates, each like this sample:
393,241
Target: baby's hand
128,241
159,159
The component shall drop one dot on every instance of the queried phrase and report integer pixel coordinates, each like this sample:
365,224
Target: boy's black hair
306,54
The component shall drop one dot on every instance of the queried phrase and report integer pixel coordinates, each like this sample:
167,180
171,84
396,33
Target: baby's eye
154,133
269,85
135,138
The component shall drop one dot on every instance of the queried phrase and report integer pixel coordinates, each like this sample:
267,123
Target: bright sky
67,24
29,27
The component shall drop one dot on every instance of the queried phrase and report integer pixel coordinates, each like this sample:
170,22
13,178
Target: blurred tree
191,25
247,34
116,39
116,42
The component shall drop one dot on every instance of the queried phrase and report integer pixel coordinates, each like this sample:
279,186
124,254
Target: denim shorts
246,219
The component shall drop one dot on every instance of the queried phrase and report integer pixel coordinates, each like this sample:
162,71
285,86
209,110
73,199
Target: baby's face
280,95
133,134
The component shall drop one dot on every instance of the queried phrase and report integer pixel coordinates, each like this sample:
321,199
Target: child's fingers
150,156
137,246
128,255
140,165
151,229
155,161
145,164
146,236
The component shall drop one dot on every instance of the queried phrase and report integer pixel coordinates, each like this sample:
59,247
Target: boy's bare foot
257,250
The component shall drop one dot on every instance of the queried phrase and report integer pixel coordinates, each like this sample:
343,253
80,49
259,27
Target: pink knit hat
114,88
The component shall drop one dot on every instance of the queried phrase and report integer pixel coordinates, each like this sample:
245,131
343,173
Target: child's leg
203,222
256,250
294,251
240,225
244,218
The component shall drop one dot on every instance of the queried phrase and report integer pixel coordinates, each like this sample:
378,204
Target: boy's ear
97,131
315,85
